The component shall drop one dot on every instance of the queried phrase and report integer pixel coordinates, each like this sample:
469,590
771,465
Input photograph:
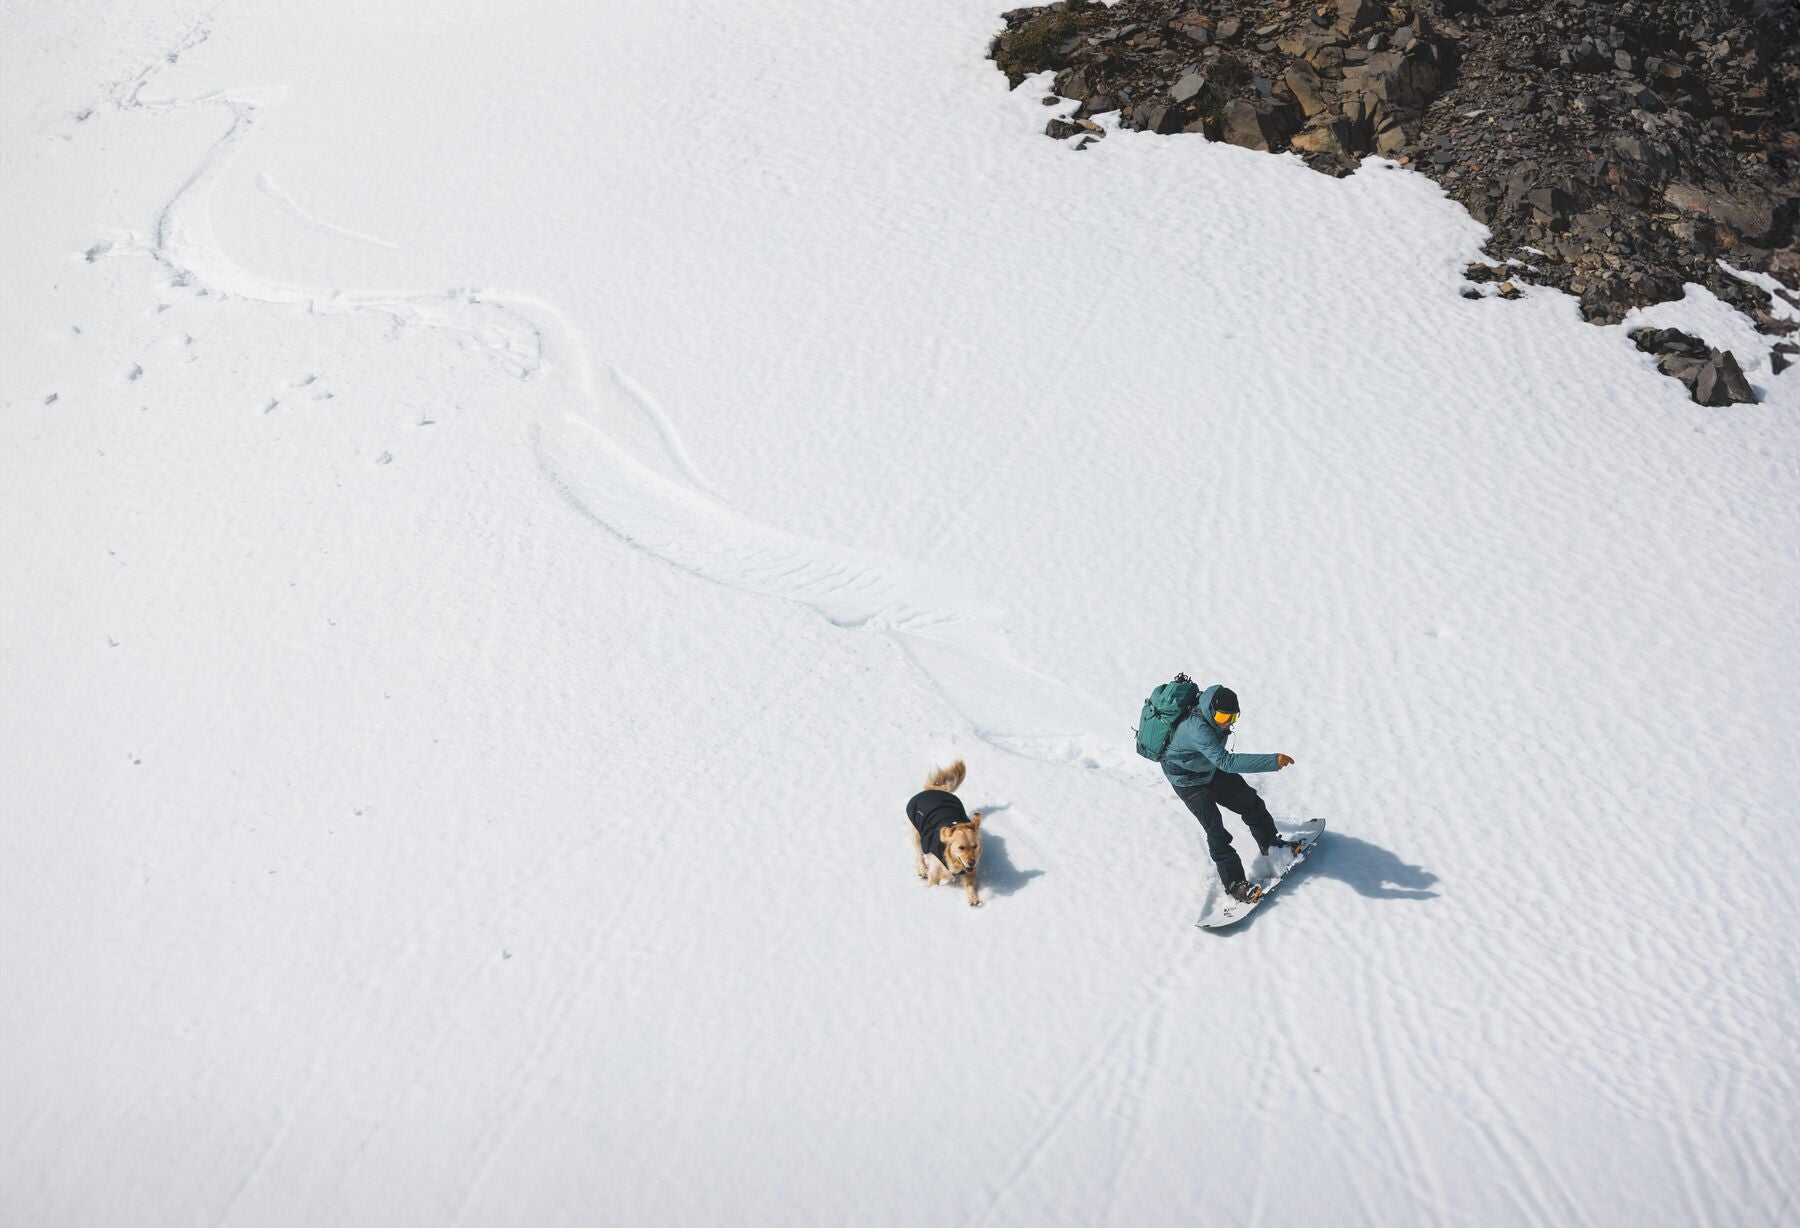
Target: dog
946,839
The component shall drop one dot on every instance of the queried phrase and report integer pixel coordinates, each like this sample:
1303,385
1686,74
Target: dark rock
1677,366
1157,117
1585,57
1552,205
1650,160
1735,383
1303,79
1303,44
1074,83
1195,27
1721,382
1391,137
1752,215
1254,125
1187,88
1330,135
1407,79
1355,15
1669,341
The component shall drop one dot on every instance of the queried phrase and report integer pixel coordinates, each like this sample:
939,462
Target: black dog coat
931,812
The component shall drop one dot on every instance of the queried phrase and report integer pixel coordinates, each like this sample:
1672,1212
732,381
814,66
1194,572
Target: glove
1282,761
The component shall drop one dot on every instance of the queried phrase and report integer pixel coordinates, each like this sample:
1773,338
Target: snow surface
502,505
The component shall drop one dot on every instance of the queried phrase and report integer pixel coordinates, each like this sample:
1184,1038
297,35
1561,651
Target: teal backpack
1164,710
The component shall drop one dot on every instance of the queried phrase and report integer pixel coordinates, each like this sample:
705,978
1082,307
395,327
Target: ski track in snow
660,503
268,187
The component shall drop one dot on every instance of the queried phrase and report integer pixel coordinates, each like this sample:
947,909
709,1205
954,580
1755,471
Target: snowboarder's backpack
1164,710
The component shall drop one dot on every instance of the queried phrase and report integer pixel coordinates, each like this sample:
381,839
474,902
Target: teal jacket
1197,751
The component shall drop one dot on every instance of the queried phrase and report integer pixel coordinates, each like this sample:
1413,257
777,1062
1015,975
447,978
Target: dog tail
948,779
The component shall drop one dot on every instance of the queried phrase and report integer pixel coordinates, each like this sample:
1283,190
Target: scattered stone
1713,377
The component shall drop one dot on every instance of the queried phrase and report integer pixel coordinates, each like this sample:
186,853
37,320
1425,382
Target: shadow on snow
1370,870
1364,866
998,874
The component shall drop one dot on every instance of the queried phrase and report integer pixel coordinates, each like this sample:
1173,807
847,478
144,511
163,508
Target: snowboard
1221,910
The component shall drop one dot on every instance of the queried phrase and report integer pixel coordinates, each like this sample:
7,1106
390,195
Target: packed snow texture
503,504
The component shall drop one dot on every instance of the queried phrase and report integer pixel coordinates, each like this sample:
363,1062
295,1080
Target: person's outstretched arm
1207,751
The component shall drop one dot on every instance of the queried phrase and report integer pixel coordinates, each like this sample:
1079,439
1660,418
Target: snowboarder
1205,776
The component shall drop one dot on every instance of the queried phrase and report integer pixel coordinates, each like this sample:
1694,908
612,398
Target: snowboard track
652,498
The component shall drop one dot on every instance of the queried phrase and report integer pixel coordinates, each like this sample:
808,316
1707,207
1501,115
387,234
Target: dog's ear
975,820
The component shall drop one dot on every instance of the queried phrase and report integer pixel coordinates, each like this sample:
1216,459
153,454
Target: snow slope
501,507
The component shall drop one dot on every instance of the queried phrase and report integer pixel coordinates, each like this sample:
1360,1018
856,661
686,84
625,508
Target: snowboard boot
1243,892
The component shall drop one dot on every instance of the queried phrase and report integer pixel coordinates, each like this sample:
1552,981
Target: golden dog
946,839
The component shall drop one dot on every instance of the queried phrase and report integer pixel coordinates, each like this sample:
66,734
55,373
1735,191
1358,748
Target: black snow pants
1229,790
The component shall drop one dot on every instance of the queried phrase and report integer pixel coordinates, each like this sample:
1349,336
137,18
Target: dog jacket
931,812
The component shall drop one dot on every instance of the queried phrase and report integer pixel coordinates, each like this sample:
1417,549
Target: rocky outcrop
1615,150
1713,377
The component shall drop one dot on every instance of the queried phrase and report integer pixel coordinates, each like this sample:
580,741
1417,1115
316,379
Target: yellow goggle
1225,718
